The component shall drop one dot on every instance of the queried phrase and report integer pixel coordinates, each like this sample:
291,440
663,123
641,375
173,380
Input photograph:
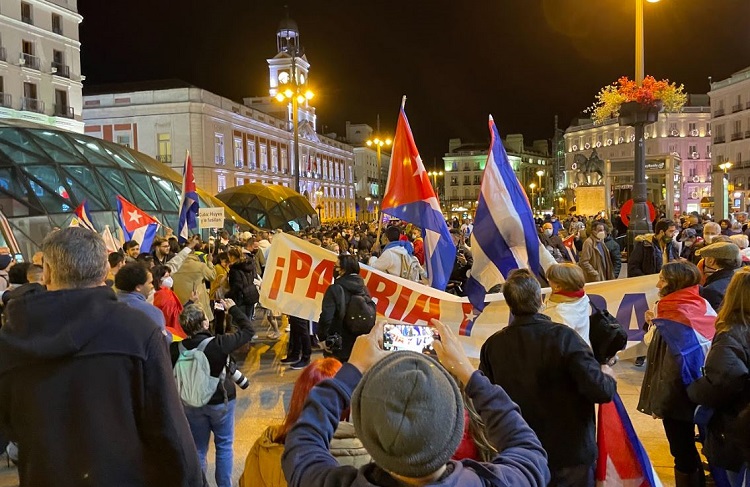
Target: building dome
287,28
270,206
46,173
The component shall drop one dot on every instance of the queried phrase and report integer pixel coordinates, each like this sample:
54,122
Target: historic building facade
40,62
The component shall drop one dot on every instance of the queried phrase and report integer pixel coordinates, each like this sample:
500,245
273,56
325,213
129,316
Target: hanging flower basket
651,93
633,113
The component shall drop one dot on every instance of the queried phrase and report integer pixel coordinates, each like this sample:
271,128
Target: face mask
688,243
167,282
708,238
600,235
548,232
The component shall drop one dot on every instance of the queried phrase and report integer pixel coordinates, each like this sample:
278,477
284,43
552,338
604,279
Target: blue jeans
219,419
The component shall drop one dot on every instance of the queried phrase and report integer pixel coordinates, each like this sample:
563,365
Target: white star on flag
134,216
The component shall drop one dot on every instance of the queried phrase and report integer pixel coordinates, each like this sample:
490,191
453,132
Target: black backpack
359,313
606,334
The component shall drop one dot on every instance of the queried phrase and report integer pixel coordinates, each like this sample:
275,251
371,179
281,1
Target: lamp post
367,204
532,186
640,223
318,197
295,93
540,173
434,175
725,186
379,143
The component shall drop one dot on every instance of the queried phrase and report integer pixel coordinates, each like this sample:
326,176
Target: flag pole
380,214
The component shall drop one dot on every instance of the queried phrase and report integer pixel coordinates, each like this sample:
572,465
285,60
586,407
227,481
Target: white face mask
167,282
600,235
548,232
708,238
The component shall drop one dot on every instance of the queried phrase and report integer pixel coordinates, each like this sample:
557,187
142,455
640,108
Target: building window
477,179
251,162
239,156
274,159
692,151
738,159
673,149
673,129
164,149
466,166
454,181
692,128
123,139
467,193
263,157
454,194
26,13
454,166
221,183
692,170
284,162
219,150
466,180
240,181
57,24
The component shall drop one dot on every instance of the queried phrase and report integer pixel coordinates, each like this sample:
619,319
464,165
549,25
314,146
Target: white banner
211,217
298,274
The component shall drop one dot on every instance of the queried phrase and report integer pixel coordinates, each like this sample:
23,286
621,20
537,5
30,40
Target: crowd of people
89,336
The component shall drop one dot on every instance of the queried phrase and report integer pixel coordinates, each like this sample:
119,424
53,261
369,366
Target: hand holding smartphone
409,337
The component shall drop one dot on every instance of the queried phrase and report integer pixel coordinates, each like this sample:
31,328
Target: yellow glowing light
652,1
280,97
389,142
540,173
300,99
532,186
377,141
288,93
369,143
309,95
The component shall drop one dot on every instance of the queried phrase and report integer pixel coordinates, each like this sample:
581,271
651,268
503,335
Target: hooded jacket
573,312
647,257
263,462
86,389
241,288
332,312
193,274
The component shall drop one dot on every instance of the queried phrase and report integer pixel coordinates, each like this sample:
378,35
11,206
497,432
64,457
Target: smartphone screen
409,337
19,258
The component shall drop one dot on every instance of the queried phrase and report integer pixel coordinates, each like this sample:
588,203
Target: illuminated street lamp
540,173
532,186
379,143
319,206
295,93
367,204
434,175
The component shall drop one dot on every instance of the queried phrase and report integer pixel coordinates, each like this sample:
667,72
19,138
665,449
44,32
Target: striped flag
136,224
188,202
622,460
570,246
82,217
505,236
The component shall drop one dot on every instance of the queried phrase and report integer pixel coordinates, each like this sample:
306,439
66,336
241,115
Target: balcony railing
736,108
719,112
719,139
3,54
61,69
6,100
737,136
32,105
30,61
64,111
165,158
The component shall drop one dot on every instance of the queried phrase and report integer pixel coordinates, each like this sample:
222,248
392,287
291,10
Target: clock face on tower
283,77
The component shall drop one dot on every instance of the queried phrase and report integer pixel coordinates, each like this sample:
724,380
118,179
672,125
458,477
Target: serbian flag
686,322
136,224
410,197
622,460
188,202
82,218
505,236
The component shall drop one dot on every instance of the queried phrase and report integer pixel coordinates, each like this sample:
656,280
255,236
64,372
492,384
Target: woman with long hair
682,317
725,385
263,463
167,301
568,304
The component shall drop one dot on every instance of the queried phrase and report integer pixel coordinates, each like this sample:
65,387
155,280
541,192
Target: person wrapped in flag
725,385
678,341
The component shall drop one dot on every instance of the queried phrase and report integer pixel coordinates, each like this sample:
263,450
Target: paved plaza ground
264,403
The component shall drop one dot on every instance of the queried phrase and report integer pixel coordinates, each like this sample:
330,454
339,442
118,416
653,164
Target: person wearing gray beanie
409,414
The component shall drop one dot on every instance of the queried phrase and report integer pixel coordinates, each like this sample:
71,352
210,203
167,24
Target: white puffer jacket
574,314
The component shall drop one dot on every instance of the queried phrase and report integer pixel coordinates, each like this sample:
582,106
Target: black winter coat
716,287
87,389
217,351
646,258
333,309
725,387
551,373
241,287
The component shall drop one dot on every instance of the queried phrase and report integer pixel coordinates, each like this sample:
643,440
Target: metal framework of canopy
270,206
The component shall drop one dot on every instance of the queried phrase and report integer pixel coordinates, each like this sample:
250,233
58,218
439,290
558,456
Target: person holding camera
336,338
217,416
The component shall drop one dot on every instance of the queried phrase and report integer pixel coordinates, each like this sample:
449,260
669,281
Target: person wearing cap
720,261
408,414
689,239
6,261
541,363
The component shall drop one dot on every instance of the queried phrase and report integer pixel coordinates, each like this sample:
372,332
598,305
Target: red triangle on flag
132,216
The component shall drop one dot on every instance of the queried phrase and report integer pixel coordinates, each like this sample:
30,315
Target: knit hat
5,260
409,414
689,233
721,250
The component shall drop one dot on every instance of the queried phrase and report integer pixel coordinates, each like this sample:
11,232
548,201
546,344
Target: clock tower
289,63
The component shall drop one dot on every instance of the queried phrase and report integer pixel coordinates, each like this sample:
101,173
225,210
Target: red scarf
572,294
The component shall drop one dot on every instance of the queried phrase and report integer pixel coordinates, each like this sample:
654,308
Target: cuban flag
188,202
136,224
505,236
410,197
686,322
82,217
622,460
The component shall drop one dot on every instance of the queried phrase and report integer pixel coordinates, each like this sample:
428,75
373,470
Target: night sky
457,61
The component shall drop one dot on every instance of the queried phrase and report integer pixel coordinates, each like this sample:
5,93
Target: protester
161,251
664,390
116,260
131,249
415,236
615,253
650,252
461,266
217,416
568,304
395,406
193,276
241,278
167,301
595,259
219,289
741,241
553,242
538,363
725,385
300,343
110,413
720,261
690,243
263,463
134,284
339,339
396,256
